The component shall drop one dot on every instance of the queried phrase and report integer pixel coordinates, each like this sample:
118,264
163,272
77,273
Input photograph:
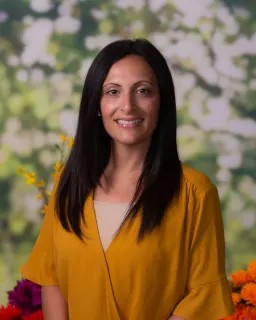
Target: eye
144,91
112,92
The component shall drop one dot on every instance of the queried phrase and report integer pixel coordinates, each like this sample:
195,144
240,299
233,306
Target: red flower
38,315
10,313
249,313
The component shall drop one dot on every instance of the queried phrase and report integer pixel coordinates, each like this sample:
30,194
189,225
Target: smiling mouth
129,124
123,122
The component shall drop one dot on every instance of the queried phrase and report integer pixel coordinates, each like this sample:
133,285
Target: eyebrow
119,85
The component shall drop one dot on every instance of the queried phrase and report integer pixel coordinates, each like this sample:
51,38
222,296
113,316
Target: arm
53,304
207,289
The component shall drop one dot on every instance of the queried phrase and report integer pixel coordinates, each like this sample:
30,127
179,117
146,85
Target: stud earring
99,114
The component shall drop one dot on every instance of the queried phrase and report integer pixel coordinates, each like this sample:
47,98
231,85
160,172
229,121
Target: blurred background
46,47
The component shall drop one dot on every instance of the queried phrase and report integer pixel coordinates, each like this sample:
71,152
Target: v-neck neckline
96,229
104,253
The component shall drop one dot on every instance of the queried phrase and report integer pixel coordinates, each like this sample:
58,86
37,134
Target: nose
128,102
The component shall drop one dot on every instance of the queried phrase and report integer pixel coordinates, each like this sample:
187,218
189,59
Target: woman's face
130,101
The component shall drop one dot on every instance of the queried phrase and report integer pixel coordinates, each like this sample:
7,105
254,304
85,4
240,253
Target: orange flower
238,315
248,293
239,278
252,270
236,297
232,317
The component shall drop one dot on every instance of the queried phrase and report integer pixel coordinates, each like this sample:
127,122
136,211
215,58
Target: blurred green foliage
46,47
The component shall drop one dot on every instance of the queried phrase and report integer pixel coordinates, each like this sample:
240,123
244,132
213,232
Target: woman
134,234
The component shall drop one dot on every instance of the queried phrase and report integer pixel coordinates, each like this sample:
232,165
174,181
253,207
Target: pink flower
26,295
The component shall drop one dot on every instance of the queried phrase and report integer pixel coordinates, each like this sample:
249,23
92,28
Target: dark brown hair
160,178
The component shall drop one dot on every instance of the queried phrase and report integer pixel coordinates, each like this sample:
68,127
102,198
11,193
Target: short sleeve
40,266
208,294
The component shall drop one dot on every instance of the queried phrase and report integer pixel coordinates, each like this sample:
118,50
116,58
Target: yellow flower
20,170
57,167
44,208
55,176
68,140
40,196
30,177
62,137
40,184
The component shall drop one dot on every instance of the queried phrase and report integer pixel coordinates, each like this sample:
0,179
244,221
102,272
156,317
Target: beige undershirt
109,217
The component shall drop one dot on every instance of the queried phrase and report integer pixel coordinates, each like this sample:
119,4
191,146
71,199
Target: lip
129,119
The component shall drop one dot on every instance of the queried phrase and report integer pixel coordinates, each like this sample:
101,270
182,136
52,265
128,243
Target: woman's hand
54,305
173,317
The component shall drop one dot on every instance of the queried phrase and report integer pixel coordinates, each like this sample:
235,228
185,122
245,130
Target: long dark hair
159,181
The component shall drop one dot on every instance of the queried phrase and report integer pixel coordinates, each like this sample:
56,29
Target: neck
127,159
120,178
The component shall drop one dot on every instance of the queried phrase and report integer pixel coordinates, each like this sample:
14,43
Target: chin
127,142
130,142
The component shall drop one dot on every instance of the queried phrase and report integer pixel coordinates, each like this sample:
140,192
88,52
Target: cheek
154,120
108,106
153,111
106,110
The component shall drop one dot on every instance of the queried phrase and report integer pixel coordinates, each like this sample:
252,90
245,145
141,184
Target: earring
99,114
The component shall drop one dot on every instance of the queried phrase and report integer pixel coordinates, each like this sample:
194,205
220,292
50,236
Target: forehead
131,67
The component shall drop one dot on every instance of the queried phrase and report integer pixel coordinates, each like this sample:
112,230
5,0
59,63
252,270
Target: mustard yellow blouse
177,269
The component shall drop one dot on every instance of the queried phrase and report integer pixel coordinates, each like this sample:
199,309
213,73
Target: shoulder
200,195
195,179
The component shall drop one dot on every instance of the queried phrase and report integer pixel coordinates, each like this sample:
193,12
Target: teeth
126,122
